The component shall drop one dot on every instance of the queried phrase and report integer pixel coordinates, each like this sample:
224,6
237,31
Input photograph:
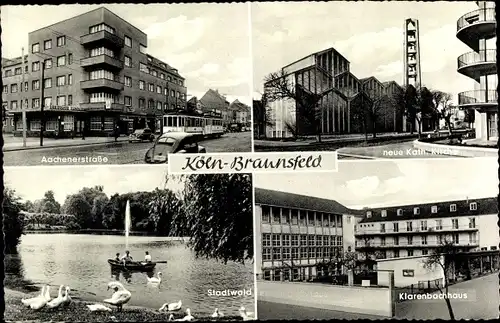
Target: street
118,153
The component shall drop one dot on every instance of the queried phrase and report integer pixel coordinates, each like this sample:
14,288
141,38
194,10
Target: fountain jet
127,223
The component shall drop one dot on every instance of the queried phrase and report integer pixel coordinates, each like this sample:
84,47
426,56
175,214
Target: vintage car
142,134
173,143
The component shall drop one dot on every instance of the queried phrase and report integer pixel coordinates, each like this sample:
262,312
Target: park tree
443,107
49,203
280,86
262,115
217,216
77,205
13,220
163,207
366,111
443,257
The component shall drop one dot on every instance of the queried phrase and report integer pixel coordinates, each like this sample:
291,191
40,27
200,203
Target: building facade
214,101
295,233
477,29
240,113
416,230
96,75
327,72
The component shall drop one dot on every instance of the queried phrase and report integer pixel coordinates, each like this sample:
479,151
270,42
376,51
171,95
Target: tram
207,125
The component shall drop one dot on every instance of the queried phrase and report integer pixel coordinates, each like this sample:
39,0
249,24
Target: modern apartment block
295,233
416,230
97,75
327,72
477,29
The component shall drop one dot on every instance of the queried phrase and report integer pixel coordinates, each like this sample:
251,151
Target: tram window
175,122
169,121
182,121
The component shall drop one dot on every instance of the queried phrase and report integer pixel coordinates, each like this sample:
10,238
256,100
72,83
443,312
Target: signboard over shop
64,108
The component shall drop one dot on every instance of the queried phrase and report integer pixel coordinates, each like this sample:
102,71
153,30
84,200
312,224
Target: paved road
117,153
275,311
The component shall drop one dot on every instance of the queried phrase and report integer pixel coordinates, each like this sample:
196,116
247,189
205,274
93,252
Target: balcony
478,99
475,25
419,231
101,84
429,244
101,60
477,64
101,106
102,37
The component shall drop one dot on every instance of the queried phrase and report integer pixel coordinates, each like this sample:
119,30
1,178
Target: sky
30,183
207,43
390,183
368,34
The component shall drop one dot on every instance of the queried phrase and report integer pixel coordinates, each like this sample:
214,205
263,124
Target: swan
246,316
66,298
28,301
170,317
120,297
188,316
56,302
47,293
42,301
156,280
217,313
99,308
171,307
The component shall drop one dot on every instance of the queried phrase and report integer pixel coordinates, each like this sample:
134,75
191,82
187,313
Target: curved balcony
478,99
102,37
101,61
102,106
101,84
475,25
477,64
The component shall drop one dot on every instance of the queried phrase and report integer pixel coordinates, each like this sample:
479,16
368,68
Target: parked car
173,143
141,135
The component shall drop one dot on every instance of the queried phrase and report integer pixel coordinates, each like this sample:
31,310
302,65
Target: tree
49,203
78,206
424,107
366,110
262,116
163,207
13,220
443,108
406,98
443,256
279,86
217,216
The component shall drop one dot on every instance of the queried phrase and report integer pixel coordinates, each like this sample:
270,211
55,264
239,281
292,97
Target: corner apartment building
477,29
97,75
16,71
294,233
212,100
416,230
318,72
240,113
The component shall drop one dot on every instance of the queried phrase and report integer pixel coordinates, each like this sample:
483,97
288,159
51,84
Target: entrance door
492,126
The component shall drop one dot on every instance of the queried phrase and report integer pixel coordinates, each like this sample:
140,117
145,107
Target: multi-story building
327,72
240,113
16,71
215,101
95,74
416,230
295,233
477,29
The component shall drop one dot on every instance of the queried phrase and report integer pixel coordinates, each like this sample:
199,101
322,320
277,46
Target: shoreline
78,311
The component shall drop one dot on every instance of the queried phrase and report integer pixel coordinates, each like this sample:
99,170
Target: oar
161,262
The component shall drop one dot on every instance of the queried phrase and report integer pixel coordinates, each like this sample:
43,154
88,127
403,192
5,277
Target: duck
99,308
120,297
155,280
188,316
58,301
246,316
217,313
28,301
171,307
66,298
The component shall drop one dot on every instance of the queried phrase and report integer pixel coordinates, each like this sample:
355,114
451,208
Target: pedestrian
117,133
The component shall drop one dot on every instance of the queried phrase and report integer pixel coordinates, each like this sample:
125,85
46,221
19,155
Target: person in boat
127,257
147,257
117,256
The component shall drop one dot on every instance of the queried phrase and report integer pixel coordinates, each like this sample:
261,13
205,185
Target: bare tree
406,98
443,107
278,86
443,257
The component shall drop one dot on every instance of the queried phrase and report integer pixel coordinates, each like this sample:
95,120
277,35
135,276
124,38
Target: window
47,44
383,213
162,76
155,73
158,105
410,240
409,226
285,240
169,78
47,83
142,103
395,226
456,238
400,212
36,85
396,253
35,66
472,237
101,51
172,93
26,88
101,74
285,216
382,227
423,225
454,223
266,254
382,241
424,240
410,253
276,240
128,81
13,88
70,99
95,123
149,59
18,71
35,103
128,101
70,59
47,102
35,48
101,27
473,206
128,41
158,89
143,68
416,210
128,61
425,252
26,70
439,224
472,223
434,209
13,105
61,41
141,85
61,100
368,214
151,87
61,80
70,79
8,73
396,241
5,89
102,97
453,208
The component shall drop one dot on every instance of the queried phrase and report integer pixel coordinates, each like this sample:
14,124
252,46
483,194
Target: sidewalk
12,143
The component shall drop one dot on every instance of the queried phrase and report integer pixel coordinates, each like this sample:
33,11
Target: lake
80,261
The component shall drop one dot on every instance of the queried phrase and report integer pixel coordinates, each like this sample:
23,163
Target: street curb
63,146
356,156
